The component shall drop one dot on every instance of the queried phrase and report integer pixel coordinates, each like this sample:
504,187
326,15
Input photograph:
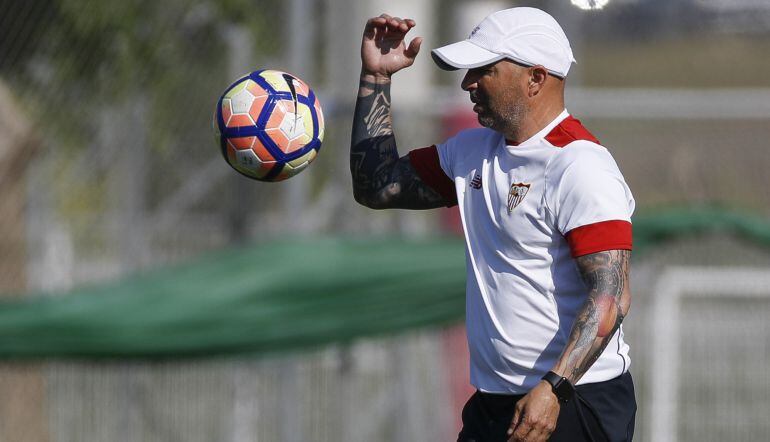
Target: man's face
498,92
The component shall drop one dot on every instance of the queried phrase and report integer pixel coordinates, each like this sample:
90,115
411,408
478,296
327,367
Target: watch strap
561,386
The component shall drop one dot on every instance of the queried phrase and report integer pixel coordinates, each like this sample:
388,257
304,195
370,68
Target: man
546,215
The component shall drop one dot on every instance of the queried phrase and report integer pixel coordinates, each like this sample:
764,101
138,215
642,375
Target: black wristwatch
562,388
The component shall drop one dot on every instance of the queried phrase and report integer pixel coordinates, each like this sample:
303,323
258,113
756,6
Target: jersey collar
535,140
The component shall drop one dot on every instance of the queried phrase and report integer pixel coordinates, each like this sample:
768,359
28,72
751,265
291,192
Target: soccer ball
269,125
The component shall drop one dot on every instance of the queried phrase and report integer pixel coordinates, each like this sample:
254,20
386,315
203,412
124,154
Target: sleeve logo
516,195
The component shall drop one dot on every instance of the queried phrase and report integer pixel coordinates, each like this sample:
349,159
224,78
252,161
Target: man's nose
469,82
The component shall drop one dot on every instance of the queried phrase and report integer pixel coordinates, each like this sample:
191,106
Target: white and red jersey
528,210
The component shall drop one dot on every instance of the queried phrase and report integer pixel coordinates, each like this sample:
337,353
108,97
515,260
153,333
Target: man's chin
485,121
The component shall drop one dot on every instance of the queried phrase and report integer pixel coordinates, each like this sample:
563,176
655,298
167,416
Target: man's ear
538,75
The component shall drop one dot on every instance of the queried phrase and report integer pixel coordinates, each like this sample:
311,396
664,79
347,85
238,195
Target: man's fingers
376,22
392,22
520,425
397,24
517,413
389,32
414,47
401,25
372,24
521,431
528,431
530,437
537,435
534,431
385,25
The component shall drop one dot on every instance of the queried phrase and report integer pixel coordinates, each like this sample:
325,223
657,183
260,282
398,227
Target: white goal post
675,285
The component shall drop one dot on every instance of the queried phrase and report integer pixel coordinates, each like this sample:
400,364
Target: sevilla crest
516,195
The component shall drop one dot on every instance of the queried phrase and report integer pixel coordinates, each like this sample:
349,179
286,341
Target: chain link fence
108,166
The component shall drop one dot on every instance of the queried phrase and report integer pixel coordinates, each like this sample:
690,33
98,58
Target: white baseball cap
527,36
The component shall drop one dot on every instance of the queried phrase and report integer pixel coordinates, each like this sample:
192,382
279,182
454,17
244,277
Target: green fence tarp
272,297
655,228
283,296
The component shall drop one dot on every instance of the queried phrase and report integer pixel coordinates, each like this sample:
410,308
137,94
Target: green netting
283,296
272,297
652,229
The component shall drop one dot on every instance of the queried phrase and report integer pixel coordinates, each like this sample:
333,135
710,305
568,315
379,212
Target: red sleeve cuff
428,167
599,237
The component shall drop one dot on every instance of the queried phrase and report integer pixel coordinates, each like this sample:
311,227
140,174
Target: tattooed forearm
380,178
377,121
372,146
606,277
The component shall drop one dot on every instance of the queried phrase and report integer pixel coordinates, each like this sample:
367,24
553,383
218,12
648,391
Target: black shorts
603,411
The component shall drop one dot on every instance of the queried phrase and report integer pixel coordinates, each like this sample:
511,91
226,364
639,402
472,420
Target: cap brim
463,55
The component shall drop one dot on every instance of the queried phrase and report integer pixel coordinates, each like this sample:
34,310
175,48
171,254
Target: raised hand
383,49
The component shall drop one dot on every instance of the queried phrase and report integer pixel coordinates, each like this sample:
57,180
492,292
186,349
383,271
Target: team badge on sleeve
516,195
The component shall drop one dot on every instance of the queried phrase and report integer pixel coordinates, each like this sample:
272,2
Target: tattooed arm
380,178
609,297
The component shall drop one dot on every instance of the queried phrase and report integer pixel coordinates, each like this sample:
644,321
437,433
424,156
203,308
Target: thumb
414,47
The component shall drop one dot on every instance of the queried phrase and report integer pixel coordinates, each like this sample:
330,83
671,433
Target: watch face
564,390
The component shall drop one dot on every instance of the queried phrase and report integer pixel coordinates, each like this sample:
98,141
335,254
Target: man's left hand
535,416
